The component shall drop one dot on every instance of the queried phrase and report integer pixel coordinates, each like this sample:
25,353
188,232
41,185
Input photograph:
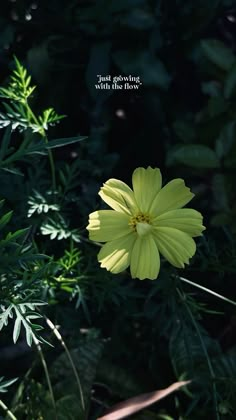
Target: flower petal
186,220
115,255
146,185
176,246
118,196
172,196
145,259
106,225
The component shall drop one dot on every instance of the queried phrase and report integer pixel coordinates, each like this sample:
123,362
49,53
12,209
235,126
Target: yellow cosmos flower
145,222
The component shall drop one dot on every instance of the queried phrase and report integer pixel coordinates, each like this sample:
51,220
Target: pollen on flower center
141,224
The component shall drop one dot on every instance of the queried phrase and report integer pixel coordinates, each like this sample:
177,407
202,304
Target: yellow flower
143,223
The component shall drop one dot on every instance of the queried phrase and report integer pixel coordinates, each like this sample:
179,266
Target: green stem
30,113
47,376
210,367
59,337
43,134
208,291
52,165
7,411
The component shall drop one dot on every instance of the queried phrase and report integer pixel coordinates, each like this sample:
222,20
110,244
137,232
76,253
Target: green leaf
39,204
29,337
64,141
218,53
13,171
17,234
230,83
41,147
6,384
150,69
194,155
5,315
16,330
23,319
49,117
58,229
5,219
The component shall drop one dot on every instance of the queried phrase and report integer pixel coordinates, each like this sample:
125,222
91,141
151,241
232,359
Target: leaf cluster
19,113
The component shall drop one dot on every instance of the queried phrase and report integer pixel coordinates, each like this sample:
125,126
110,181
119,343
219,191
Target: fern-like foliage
49,117
19,88
20,279
10,245
4,384
15,251
18,112
59,229
38,204
24,314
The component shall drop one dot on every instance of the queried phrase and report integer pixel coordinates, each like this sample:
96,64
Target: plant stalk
208,291
47,376
59,337
7,411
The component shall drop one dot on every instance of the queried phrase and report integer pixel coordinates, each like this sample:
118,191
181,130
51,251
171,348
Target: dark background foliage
139,335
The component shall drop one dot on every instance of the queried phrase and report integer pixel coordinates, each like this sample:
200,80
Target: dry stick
59,337
7,411
39,348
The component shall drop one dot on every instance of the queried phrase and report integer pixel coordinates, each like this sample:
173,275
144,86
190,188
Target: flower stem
47,376
7,411
208,291
59,337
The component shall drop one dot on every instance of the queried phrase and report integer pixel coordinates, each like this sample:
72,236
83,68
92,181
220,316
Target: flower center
141,224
